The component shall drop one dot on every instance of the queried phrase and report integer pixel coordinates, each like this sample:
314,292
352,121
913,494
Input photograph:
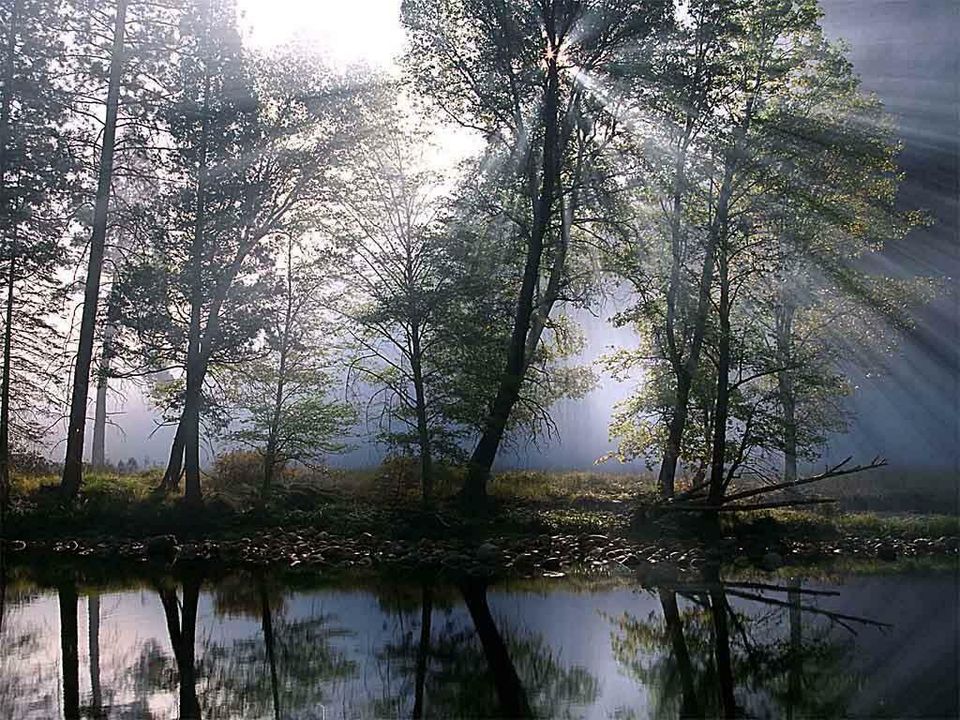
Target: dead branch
754,506
835,471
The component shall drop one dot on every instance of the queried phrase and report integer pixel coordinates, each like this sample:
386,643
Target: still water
256,645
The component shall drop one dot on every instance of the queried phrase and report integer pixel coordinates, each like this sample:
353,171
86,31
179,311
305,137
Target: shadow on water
195,642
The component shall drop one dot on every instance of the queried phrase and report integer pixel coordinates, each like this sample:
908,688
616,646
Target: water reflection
190,644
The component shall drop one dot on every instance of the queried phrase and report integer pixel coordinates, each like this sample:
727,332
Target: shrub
237,473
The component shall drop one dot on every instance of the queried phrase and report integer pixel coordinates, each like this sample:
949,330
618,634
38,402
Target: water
80,643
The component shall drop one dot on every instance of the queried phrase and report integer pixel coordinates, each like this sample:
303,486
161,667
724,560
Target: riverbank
540,524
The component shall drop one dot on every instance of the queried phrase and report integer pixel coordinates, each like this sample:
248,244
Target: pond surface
257,645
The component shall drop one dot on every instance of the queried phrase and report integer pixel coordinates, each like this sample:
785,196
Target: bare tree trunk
8,60
98,456
423,651
266,624
511,379
5,401
93,637
510,690
73,461
69,657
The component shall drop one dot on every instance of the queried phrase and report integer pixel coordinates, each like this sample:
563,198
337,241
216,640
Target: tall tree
38,184
399,281
518,73
254,146
73,460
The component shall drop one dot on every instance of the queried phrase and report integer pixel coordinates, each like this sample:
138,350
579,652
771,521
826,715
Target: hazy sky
345,31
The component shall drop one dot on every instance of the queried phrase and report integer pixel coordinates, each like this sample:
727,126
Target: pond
201,642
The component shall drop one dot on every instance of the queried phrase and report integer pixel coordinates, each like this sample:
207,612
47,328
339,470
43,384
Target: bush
237,473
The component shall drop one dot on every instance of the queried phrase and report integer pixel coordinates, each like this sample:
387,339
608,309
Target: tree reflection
286,670
69,656
181,622
452,668
710,659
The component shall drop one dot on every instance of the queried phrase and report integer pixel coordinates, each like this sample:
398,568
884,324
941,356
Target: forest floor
538,523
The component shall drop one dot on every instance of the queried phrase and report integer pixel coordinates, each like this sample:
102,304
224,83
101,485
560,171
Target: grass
385,501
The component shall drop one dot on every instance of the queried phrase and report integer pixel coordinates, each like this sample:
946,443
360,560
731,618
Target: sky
905,50
347,32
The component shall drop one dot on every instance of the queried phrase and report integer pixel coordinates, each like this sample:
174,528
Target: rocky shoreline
526,555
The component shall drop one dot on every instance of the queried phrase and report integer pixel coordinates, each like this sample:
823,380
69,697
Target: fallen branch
835,471
754,506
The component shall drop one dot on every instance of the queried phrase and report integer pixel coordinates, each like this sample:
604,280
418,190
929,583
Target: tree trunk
786,390
171,476
93,637
423,651
508,391
98,456
196,367
8,61
69,657
722,408
510,691
691,366
423,430
191,434
5,400
678,422
671,617
73,461
266,624
270,456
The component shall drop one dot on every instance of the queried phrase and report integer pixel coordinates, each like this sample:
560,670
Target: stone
886,552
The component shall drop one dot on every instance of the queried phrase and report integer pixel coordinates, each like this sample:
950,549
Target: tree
287,121
792,177
286,412
400,279
517,73
38,186
73,460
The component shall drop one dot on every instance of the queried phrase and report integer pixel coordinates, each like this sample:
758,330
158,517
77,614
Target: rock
886,552
551,563
771,561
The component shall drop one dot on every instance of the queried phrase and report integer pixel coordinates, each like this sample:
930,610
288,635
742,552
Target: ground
539,523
